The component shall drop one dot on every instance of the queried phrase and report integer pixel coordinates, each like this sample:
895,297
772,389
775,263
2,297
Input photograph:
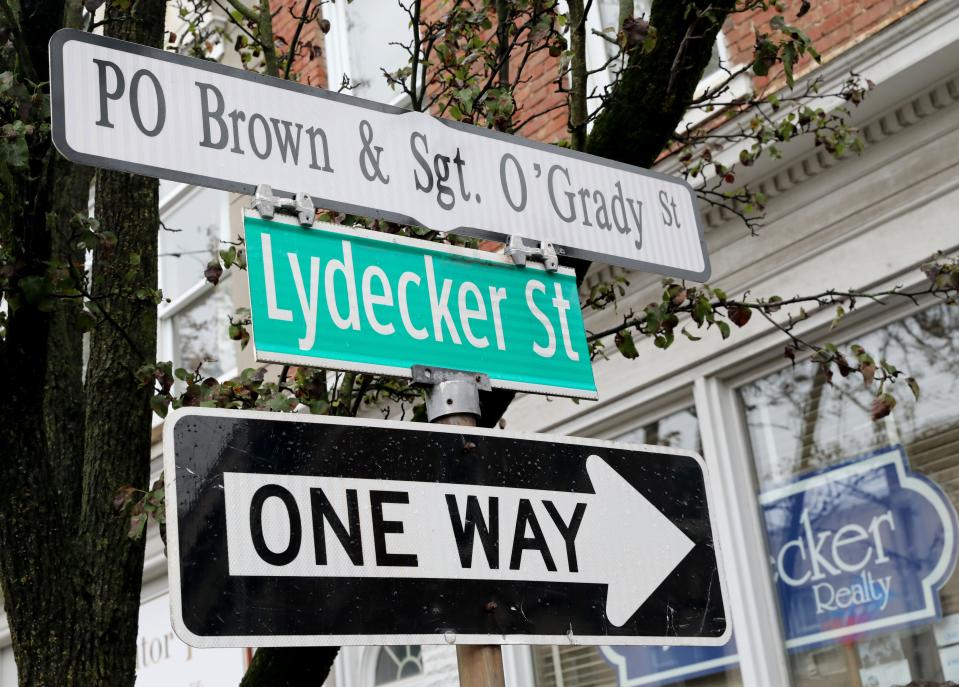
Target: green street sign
366,301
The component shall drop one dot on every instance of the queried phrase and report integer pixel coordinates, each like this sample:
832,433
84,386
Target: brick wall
310,63
537,93
834,26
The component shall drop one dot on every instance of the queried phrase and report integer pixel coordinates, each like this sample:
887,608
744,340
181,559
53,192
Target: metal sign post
453,399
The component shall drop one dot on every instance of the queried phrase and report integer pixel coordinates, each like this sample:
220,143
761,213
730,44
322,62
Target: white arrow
400,529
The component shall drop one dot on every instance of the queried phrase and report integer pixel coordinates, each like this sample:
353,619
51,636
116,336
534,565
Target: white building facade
867,222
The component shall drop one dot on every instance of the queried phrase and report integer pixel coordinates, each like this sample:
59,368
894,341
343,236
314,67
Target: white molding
336,44
892,122
751,597
518,666
904,60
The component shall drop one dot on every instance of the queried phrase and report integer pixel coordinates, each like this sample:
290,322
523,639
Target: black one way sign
289,530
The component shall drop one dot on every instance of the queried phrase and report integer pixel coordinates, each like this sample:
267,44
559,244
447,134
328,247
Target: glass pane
856,541
201,334
578,666
397,663
189,238
586,666
679,430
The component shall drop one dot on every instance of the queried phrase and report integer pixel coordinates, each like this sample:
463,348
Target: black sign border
439,637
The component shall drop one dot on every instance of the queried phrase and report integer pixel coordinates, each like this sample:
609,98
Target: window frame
399,681
167,348
337,51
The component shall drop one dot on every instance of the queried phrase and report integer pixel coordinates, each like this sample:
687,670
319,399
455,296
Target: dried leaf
213,272
913,386
739,315
868,371
882,405
123,497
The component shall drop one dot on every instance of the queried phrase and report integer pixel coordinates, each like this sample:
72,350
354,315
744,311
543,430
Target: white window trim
336,44
166,337
751,596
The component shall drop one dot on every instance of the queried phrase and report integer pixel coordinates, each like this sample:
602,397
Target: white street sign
123,106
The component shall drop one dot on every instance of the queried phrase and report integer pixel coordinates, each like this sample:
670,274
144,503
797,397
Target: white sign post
123,106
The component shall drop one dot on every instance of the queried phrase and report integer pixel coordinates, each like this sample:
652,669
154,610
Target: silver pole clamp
268,205
451,392
517,249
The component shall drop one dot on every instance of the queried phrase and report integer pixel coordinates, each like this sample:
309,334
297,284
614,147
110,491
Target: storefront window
630,666
859,515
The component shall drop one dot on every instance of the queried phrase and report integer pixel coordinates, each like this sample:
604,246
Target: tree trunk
118,416
37,526
290,666
655,88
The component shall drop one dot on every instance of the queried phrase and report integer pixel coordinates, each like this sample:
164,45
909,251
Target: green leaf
882,405
701,310
625,344
35,289
138,524
723,329
86,321
789,58
159,405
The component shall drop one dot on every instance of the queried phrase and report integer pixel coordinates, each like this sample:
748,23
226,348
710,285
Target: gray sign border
58,129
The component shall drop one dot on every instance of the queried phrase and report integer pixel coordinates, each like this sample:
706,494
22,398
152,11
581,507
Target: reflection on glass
678,430
201,335
397,663
189,238
799,423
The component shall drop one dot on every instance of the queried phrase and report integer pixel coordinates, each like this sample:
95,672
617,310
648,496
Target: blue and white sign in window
858,547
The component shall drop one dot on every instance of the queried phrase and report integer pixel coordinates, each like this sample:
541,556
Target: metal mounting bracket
268,205
517,249
451,392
